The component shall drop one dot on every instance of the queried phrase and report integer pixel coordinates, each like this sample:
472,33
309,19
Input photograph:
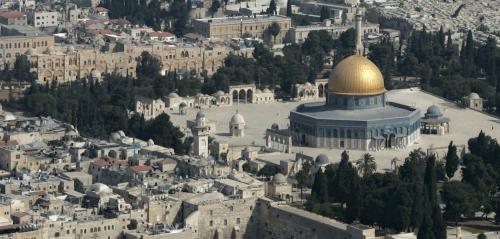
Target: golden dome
356,75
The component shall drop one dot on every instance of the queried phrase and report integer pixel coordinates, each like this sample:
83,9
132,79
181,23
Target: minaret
360,49
200,135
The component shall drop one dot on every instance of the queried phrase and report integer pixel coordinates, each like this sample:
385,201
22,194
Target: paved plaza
464,124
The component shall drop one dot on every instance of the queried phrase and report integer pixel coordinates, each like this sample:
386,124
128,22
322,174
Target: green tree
302,177
366,165
272,8
459,200
22,69
319,190
132,225
438,227
148,66
268,170
78,185
289,8
452,160
214,7
274,29
324,14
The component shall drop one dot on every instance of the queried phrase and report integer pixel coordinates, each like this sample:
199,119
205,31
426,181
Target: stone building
473,101
237,125
200,135
309,91
12,46
298,34
149,108
263,96
65,64
237,27
43,18
279,188
340,13
434,123
13,18
356,114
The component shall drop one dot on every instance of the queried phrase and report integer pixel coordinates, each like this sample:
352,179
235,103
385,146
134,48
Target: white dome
257,91
151,142
9,117
50,50
279,178
474,96
95,74
98,189
266,90
173,95
322,160
237,119
115,136
308,84
219,93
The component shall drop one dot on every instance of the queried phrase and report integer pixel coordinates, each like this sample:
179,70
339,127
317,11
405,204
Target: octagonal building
356,114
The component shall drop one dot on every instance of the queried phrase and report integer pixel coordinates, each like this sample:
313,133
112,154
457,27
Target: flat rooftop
245,19
318,111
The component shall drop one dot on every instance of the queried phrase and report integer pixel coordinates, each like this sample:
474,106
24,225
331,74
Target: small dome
257,91
173,95
322,160
266,90
433,112
98,189
279,179
219,93
30,52
199,95
237,119
200,115
182,105
275,126
50,50
474,96
308,84
151,142
95,74
115,136
70,49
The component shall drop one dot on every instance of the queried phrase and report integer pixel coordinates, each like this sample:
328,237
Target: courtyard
464,124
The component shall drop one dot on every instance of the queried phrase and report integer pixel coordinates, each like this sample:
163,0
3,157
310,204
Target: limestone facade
65,64
12,46
236,27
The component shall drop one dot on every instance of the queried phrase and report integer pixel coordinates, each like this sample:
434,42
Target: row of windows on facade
238,221
84,231
246,28
16,45
348,133
357,101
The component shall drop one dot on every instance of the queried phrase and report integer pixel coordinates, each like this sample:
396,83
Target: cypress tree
319,188
438,225
288,8
452,160
430,181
